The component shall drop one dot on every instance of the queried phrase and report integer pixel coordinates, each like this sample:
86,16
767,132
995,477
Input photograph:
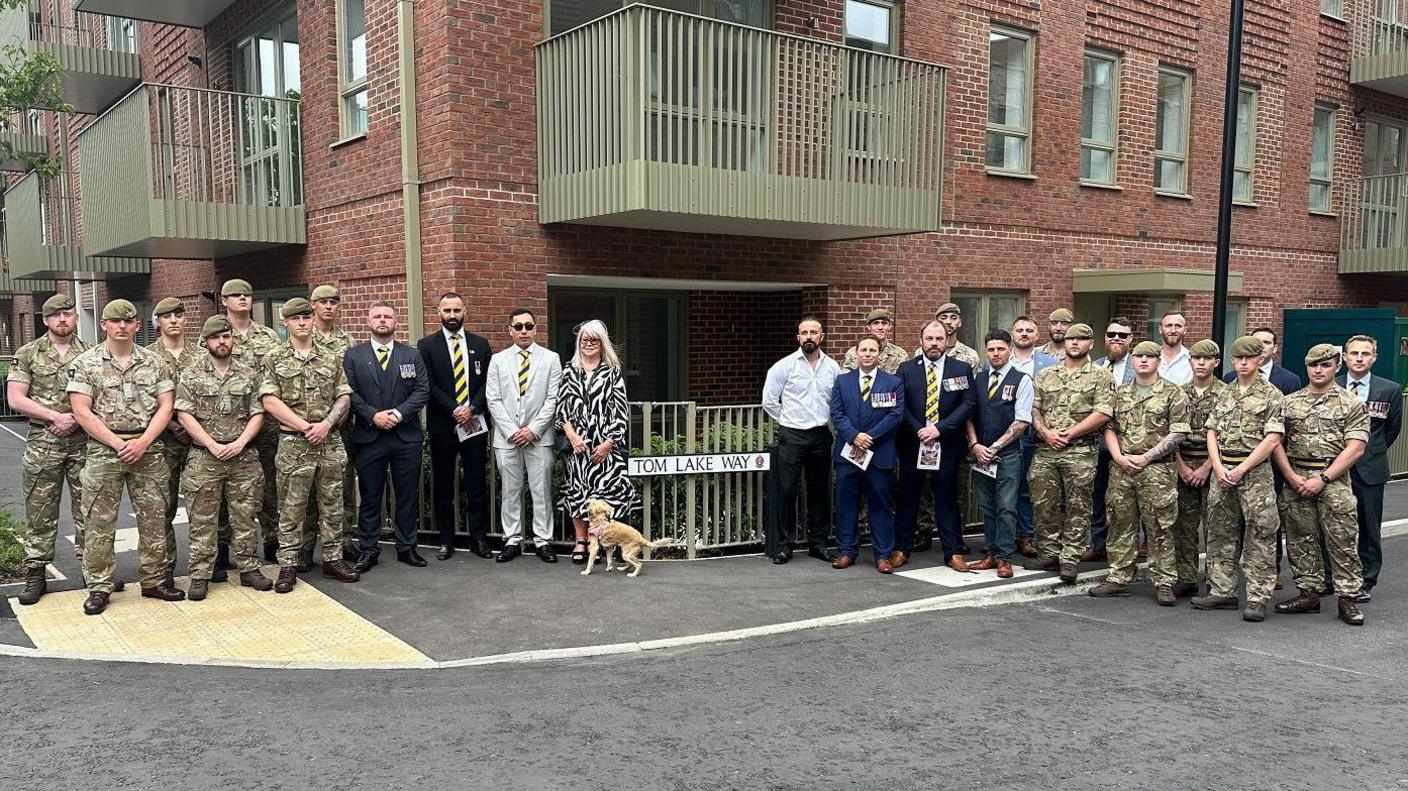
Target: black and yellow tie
992,388
931,398
525,356
461,376
1354,389
865,388
383,356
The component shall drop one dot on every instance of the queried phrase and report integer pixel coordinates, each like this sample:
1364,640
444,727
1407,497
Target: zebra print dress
595,404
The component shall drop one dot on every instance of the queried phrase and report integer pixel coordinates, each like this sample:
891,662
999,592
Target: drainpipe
410,167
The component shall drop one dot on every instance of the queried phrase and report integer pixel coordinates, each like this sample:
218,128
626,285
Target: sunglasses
1118,335
523,326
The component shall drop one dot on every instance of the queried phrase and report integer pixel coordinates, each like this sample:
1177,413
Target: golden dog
605,532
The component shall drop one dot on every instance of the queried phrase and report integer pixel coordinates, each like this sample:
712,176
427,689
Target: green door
1305,328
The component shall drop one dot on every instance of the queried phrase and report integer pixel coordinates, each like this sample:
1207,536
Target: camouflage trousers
1061,484
48,462
207,482
1148,499
1334,513
176,453
104,478
307,471
266,444
1253,501
349,501
1192,503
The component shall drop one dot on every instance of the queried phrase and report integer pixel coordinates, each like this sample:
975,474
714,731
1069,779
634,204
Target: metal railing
80,30
1376,221
1381,37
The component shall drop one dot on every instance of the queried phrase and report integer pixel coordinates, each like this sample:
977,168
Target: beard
1058,338
221,352
810,347
1077,354
453,325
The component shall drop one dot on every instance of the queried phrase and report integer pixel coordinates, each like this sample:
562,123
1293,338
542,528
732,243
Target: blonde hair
595,329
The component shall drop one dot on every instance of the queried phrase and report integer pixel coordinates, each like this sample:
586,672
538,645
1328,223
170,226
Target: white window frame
977,323
891,11
1023,132
122,35
1328,179
1111,146
1249,167
348,89
1160,154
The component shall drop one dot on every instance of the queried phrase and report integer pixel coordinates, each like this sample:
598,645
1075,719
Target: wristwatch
1325,478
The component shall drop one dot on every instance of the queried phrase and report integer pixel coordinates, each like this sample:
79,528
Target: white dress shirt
1178,370
376,355
797,394
1363,393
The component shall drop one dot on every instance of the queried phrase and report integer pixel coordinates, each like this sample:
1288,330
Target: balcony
42,236
187,13
20,144
192,173
1375,229
96,72
662,120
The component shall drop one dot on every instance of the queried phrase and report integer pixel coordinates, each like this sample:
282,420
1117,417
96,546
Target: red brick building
698,184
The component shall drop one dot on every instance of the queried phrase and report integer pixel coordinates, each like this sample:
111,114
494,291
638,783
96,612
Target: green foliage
28,81
11,553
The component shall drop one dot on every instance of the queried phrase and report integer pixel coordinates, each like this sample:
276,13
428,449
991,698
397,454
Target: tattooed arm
1166,446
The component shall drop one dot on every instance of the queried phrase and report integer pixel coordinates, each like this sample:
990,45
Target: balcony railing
17,144
98,68
1380,56
44,238
187,13
191,173
1375,228
650,118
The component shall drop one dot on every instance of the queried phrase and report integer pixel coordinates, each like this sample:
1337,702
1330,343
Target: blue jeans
999,497
1024,493
874,484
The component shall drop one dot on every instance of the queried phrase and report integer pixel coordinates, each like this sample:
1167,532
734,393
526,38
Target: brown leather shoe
1026,547
898,559
340,571
883,566
1004,569
36,583
1164,595
1350,612
843,562
1305,601
957,563
983,565
95,604
288,577
165,592
256,580
1092,554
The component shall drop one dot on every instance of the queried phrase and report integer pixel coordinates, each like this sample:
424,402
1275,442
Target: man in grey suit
521,388
1384,401
389,388
1118,337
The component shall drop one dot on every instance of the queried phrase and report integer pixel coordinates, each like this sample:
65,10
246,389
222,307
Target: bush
11,552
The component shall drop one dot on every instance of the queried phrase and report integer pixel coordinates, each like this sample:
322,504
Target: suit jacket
1104,362
536,408
404,386
1281,379
1385,421
851,416
957,400
435,351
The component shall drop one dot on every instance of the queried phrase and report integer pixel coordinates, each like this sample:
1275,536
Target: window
267,64
32,123
122,34
1171,132
1099,107
1322,149
870,25
1385,151
1332,8
268,303
563,15
648,329
352,54
1245,165
1009,101
1236,316
986,311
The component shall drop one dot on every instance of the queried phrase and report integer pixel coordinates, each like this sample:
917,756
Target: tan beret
325,292
1206,347
119,309
57,303
1144,348
878,314
1246,346
1062,314
214,326
947,307
236,286
298,306
1079,331
1320,352
169,305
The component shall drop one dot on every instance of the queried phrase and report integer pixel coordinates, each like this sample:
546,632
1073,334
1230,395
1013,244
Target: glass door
1384,188
267,64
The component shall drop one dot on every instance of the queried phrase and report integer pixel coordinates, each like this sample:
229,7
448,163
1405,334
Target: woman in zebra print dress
593,413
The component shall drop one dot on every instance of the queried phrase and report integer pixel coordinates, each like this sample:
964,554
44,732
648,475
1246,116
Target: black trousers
1371,526
943,484
801,454
403,460
472,454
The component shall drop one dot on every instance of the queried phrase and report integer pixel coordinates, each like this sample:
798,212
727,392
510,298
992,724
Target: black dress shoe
509,552
781,557
822,553
546,553
924,543
365,563
351,552
446,552
410,557
479,547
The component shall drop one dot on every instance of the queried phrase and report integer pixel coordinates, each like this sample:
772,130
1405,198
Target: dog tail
659,542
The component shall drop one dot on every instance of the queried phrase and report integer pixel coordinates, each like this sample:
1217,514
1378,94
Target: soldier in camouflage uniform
1072,402
54,449
305,391
1194,468
217,400
327,335
1151,418
122,395
1327,430
880,323
177,352
952,319
1245,425
1057,323
254,342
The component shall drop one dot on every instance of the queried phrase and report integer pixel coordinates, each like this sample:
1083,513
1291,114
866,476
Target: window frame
1161,154
1112,147
1250,168
976,326
1333,9
1025,133
122,34
891,8
1328,180
348,90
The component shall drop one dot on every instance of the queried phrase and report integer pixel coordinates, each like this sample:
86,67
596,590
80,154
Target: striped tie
931,398
865,388
383,356
523,371
1354,388
461,377
992,388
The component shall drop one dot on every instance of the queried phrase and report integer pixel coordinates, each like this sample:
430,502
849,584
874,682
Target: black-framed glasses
523,326
1118,335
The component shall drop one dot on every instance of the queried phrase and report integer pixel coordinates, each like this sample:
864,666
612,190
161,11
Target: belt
123,434
1200,453
290,432
1235,458
1310,464
219,441
39,424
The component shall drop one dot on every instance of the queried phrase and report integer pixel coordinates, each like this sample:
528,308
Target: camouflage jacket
1242,420
308,384
1066,398
1145,416
124,398
47,374
192,353
1199,407
1318,426
222,405
890,358
252,347
964,352
337,341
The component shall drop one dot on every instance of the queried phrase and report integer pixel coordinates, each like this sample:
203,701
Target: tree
28,80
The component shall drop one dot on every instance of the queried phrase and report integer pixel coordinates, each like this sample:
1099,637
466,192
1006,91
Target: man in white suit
521,389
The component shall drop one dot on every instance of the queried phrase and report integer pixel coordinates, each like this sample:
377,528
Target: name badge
408,370
883,400
956,383
1378,409
1009,392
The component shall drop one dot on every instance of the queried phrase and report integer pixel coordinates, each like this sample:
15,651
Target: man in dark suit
938,400
1383,400
867,406
389,388
1281,379
458,362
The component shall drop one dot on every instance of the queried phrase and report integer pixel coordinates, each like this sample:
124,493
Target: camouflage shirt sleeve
80,381
1356,425
19,367
1178,409
1038,390
185,401
1275,413
344,388
1104,401
167,382
269,383
1211,424
849,362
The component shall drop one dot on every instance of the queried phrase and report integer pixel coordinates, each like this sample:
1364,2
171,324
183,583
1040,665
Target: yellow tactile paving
232,624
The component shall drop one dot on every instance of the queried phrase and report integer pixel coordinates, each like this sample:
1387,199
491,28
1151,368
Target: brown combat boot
36,584
256,580
1254,612
1164,595
288,577
1026,548
1349,611
305,561
1307,601
165,591
1068,573
1211,602
97,602
1107,589
1042,564
199,590
340,571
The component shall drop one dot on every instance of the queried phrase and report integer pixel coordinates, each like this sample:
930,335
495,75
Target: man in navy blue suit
1280,378
938,400
867,406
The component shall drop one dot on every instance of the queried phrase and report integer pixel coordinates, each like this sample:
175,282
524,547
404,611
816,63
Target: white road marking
12,433
947,577
1320,665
